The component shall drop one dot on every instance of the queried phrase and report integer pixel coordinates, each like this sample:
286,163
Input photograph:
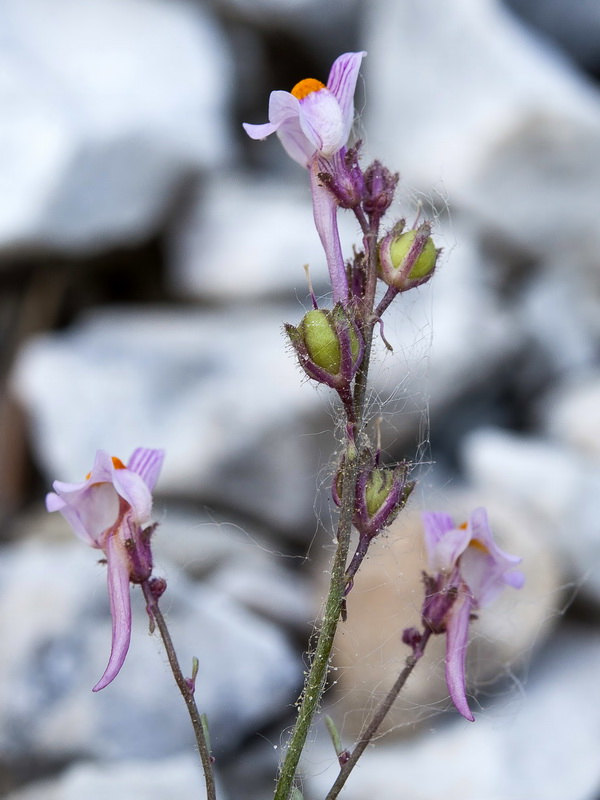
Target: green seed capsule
321,340
424,264
377,490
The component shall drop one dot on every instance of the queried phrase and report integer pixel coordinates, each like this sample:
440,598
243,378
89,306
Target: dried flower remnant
108,511
470,570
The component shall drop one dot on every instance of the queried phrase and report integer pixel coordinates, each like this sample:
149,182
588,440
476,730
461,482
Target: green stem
377,718
315,681
185,689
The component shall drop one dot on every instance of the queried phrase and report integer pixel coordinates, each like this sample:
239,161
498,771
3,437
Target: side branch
185,688
377,718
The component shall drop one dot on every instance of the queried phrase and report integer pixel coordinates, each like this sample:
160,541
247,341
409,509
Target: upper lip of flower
107,511
314,118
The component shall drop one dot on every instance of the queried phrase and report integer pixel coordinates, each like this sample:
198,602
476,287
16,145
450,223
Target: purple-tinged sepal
381,493
407,259
329,346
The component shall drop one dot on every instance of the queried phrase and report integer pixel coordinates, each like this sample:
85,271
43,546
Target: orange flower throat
305,87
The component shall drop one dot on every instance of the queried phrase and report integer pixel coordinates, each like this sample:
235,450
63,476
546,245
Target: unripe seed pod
378,487
407,259
425,262
321,340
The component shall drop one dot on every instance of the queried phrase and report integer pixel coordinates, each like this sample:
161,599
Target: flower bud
407,259
329,346
380,186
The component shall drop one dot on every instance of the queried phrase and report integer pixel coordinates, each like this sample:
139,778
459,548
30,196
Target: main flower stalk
313,122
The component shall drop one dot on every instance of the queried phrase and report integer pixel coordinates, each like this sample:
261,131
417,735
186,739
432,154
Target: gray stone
499,123
550,719
107,106
575,26
570,414
449,336
238,561
179,777
56,633
552,481
559,315
218,391
222,393
242,238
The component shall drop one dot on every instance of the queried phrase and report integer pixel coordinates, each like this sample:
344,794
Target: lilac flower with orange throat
313,123
470,571
110,511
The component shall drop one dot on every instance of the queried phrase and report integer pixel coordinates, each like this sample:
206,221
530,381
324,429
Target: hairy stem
355,420
185,689
378,717
315,682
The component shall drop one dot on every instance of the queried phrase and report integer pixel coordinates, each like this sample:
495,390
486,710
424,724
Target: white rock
238,561
243,238
56,633
575,26
220,392
106,106
551,719
559,315
132,780
553,481
449,336
571,414
223,394
462,98
320,24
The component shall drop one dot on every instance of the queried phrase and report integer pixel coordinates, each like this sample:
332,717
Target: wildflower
107,511
314,118
313,123
471,570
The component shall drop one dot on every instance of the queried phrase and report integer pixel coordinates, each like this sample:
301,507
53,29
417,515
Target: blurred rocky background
149,255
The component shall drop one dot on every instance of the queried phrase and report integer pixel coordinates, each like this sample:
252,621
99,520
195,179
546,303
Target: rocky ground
149,256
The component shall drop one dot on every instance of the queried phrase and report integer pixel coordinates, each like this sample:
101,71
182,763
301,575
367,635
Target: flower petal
457,639
133,490
120,609
342,84
484,566
295,143
322,122
89,509
283,106
147,464
325,213
444,542
259,131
